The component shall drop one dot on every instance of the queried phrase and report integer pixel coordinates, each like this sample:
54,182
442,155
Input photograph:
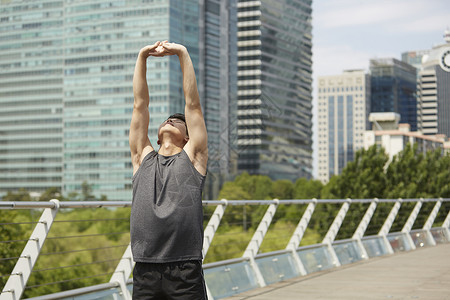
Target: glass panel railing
347,252
111,294
398,241
278,267
103,291
227,280
439,235
315,258
375,246
420,238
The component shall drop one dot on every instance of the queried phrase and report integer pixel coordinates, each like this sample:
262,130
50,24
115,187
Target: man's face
174,122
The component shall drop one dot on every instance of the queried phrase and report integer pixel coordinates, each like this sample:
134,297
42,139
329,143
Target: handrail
99,204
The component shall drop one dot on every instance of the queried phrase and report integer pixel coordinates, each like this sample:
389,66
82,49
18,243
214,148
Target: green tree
282,189
51,193
402,174
259,187
362,178
233,191
414,174
20,195
307,189
86,191
235,214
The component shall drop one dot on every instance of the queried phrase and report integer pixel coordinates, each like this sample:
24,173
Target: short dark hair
178,116
181,117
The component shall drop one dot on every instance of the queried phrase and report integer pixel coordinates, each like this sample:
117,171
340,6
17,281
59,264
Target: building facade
217,84
275,88
386,132
393,85
433,93
343,109
66,108
31,95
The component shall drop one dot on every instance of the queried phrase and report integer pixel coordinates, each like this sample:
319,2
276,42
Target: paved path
419,274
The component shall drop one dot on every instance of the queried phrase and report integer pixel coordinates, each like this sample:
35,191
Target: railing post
212,226
359,232
256,241
410,222
446,226
297,236
388,224
123,272
210,231
430,221
334,229
17,282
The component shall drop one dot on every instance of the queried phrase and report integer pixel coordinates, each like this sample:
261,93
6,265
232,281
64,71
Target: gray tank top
166,223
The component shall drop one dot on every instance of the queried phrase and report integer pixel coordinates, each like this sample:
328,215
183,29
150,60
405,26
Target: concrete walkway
419,274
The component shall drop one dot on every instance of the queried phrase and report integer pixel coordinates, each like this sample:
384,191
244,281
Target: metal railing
339,232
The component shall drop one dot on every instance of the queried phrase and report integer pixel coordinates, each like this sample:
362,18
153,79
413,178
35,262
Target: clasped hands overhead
164,48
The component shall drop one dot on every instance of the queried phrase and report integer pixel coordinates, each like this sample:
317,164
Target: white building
343,109
393,137
433,91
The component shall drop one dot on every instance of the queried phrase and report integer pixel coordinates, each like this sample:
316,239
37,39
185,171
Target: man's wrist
183,51
144,53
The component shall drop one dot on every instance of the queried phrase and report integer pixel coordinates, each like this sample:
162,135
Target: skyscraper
343,110
394,89
274,88
66,92
218,88
433,107
31,95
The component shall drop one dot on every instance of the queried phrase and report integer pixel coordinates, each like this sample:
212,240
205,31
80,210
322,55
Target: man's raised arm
197,146
140,144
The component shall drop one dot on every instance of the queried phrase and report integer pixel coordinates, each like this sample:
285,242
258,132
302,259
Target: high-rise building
343,109
66,93
433,92
393,85
275,88
31,95
217,84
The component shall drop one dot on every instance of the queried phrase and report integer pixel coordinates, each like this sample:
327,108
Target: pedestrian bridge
311,249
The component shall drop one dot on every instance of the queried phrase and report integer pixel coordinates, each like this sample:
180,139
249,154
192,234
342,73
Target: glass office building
218,88
394,89
274,88
66,91
31,95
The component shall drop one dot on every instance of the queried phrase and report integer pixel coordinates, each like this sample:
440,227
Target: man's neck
168,149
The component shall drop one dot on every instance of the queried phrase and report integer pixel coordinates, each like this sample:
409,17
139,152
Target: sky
348,33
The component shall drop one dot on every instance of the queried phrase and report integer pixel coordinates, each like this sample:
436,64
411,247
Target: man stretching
166,223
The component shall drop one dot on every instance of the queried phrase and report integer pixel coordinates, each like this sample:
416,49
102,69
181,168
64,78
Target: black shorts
171,281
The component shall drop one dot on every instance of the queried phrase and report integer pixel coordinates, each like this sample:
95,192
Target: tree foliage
307,189
362,178
414,174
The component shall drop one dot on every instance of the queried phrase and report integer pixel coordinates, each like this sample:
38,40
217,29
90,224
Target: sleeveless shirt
166,223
